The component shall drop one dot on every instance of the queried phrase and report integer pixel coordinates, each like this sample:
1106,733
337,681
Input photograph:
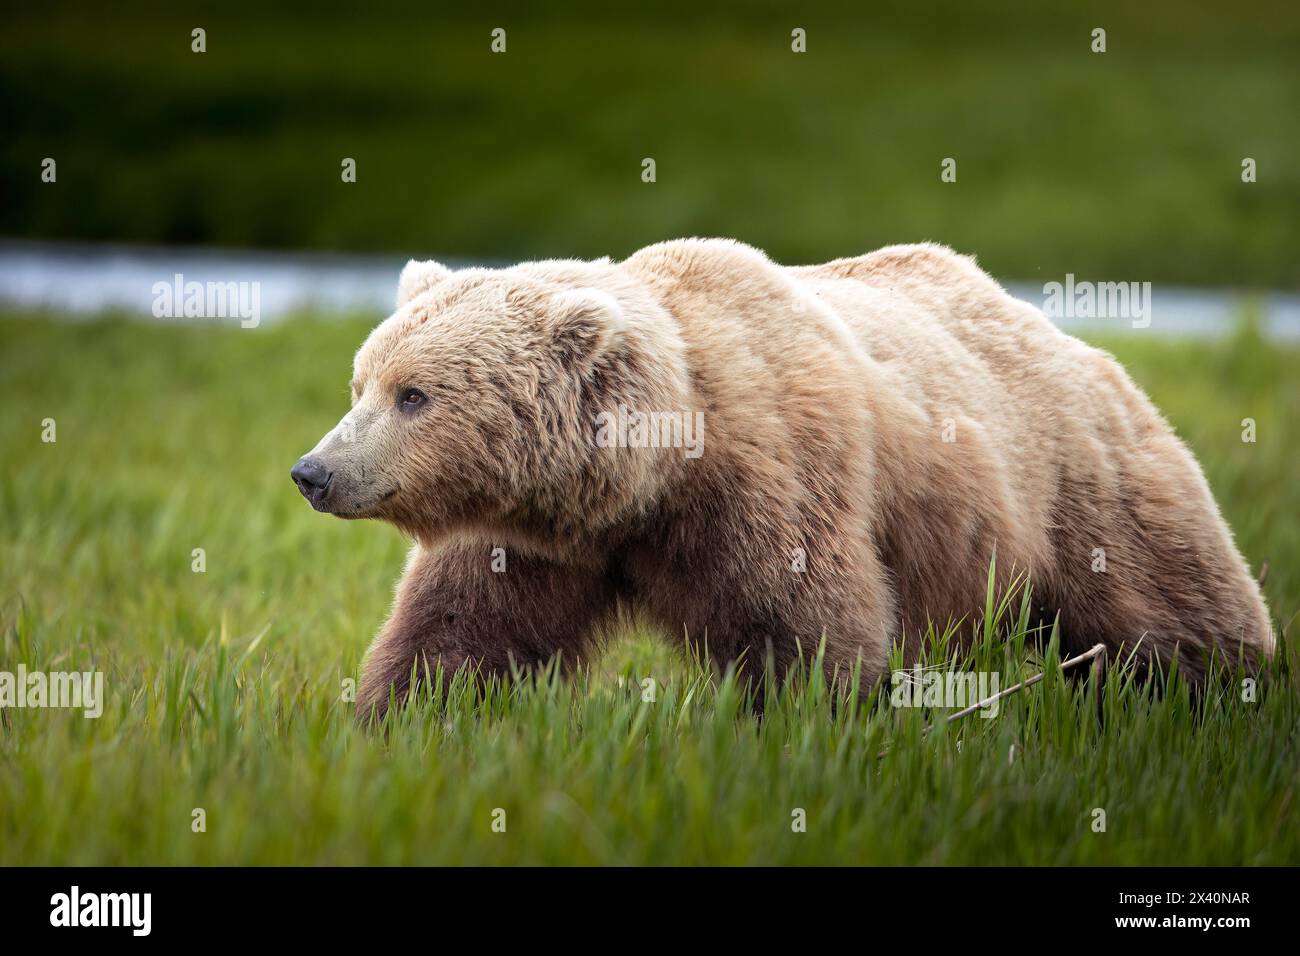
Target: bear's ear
418,277
585,323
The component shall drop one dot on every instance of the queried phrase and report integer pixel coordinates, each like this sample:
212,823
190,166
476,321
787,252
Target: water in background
84,280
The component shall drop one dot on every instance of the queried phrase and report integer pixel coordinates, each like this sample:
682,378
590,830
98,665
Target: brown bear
758,458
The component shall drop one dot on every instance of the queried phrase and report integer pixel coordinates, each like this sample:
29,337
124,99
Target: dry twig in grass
1095,653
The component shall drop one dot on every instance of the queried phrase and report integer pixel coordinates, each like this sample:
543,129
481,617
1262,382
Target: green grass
224,687
1123,166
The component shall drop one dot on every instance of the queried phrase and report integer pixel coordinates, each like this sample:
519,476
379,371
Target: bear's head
473,406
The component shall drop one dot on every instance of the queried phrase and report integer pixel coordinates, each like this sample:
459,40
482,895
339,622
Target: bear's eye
409,399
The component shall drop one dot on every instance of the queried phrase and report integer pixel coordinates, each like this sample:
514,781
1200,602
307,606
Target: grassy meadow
224,686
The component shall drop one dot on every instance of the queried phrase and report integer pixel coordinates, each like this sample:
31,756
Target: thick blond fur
874,428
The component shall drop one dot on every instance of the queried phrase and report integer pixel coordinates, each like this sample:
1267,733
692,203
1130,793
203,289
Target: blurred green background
1122,165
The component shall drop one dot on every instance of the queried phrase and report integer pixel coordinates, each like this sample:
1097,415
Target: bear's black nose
311,478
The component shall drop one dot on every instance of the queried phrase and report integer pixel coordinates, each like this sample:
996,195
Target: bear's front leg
469,602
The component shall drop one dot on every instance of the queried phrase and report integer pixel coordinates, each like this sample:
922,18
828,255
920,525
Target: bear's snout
312,479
